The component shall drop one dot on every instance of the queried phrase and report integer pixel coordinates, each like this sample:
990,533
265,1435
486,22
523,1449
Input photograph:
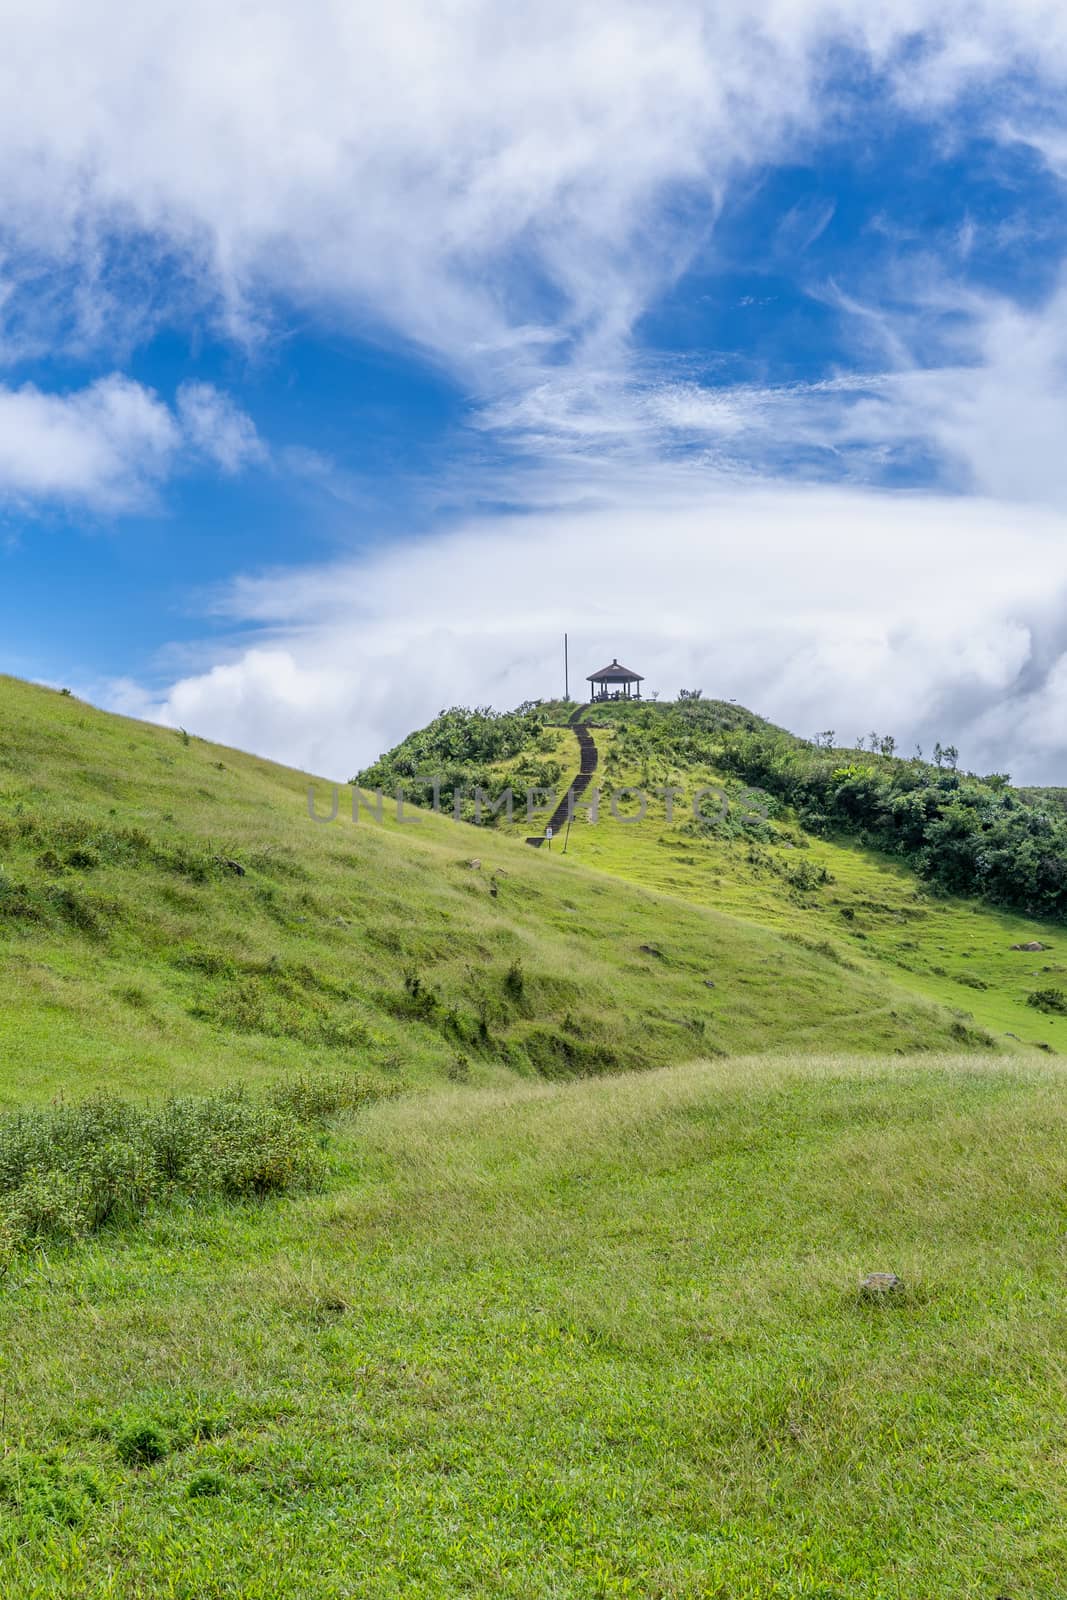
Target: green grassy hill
832,890
521,1254
172,918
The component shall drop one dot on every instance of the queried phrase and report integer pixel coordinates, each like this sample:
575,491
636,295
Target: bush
1048,1000
206,1485
66,1171
965,834
313,1098
44,1490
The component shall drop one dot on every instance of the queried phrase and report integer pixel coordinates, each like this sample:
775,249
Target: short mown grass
582,1340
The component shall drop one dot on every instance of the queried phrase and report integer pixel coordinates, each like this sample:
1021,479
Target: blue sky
348,359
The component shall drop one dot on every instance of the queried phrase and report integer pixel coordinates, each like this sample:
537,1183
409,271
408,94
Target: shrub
1048,1000
66,1171
459,1070
313,1098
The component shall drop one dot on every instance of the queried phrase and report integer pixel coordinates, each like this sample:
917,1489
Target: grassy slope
574,1340
585,1340
875,911
140,960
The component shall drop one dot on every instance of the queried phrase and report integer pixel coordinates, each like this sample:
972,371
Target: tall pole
566,672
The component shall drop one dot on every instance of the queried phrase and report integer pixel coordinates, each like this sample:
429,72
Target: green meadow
870,906
391,1209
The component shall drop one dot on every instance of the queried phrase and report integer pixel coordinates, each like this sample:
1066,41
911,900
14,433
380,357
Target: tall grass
68,1170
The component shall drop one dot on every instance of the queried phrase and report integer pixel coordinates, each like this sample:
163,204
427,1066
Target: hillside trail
579,784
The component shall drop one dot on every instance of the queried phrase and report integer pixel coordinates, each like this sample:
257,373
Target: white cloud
510,187
912,615
110,445
216,427
486,178
104,446
974,391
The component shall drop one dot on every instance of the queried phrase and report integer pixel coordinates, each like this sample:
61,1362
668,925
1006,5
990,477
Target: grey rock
877,1285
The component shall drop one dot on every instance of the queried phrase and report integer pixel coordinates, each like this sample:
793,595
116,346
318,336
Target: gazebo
615,683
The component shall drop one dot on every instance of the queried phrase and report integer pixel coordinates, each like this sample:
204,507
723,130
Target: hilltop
933,878
171,916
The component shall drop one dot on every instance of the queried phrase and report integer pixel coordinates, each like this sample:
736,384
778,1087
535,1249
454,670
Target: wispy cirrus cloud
217,428
491,183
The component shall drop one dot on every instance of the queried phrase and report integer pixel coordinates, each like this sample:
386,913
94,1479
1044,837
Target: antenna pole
566,671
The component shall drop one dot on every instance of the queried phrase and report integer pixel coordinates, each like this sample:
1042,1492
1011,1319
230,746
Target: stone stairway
582,780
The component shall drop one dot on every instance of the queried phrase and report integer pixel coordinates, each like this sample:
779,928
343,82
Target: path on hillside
587,746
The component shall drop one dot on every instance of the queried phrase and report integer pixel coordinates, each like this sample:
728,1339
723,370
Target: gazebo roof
615,674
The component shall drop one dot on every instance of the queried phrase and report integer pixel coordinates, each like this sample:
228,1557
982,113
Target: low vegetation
172,920
603,1339
963,834
67,1171
462,750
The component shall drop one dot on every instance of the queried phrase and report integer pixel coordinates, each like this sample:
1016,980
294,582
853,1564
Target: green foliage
68,1170
601,1340
141,1443
1054,1000
314,1097
966,835
195,976
206,1485
462,749
44,1492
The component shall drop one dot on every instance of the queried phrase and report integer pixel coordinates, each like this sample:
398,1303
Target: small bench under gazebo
615,683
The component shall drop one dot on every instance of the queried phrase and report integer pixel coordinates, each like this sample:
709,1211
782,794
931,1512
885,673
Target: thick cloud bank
921,617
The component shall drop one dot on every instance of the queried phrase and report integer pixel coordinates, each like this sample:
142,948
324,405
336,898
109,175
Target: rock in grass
1034,944
879,1285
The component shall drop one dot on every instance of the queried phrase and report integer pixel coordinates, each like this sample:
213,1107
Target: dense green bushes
68,1170
459,750
968,835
